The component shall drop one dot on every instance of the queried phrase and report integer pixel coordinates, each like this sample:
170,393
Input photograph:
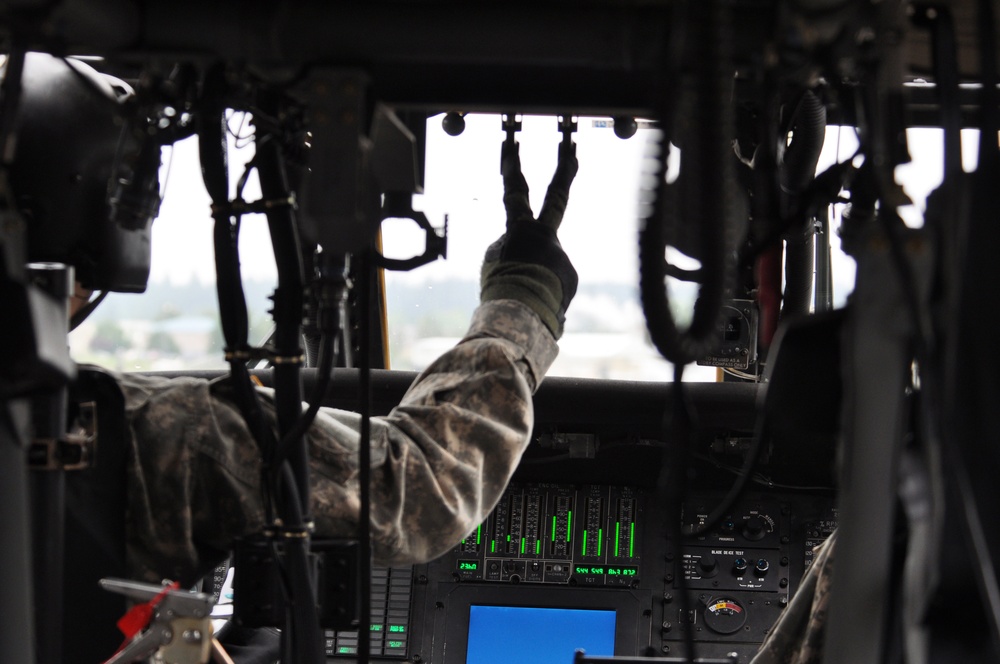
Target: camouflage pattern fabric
440,460
797,637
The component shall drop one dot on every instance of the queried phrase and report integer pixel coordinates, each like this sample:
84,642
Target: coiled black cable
711,163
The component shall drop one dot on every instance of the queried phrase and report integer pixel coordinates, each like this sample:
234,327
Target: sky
462,181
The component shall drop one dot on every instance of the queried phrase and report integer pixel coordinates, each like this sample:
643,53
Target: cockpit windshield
175,324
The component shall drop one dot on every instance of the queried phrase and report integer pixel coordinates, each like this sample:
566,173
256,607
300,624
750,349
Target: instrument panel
606,537
569,556
601,550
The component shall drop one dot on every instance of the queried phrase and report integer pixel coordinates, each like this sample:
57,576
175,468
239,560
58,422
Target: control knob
754,528
708,566
761,567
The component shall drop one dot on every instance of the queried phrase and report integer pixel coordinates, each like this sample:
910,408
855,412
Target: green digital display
623,571
615,571
589,571
395,644
468,565
397,629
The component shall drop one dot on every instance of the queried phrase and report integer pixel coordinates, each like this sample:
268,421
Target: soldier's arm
440,460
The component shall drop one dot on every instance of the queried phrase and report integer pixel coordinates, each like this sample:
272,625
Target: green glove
527,263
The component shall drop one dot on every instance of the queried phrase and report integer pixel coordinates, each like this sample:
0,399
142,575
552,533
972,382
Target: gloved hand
527,263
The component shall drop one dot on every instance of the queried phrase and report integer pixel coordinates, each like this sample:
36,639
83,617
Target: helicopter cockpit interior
780,333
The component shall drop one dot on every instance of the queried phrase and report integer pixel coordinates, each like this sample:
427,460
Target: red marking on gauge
725,606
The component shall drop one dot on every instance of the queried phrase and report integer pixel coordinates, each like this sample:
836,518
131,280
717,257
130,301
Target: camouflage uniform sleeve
193,477
797,637
440,460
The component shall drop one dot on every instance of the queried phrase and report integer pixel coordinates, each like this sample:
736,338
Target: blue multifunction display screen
530,635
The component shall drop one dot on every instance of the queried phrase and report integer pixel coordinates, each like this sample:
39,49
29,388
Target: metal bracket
74,451
332,197
180,631
435,246
567,126
511,125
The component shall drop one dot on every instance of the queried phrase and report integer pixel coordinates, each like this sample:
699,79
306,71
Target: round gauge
725,615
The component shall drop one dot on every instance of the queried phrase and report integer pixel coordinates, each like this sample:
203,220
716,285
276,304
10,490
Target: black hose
287,311
327,357
743,477
213,150
824,269
304,623
10,97
306,643
808,127
330,294
800,250
714,181
306,635
712,177
313,344
679,428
